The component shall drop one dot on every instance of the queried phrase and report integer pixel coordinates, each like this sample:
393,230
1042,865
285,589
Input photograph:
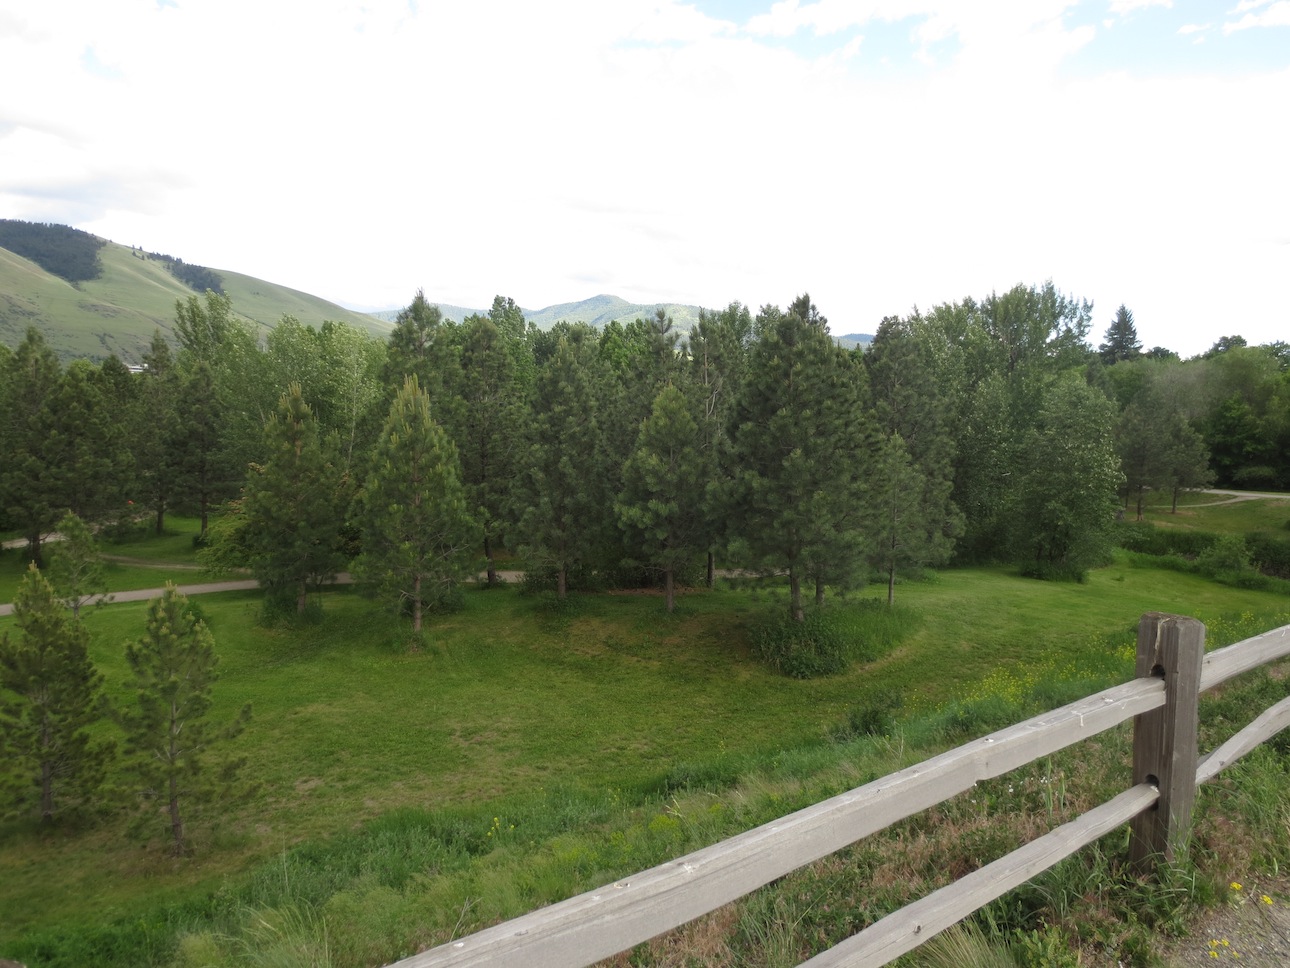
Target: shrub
803,650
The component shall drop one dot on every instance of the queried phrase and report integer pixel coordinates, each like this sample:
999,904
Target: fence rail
1172,671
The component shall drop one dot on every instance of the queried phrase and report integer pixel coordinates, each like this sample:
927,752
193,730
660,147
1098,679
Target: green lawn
1216,512
514,697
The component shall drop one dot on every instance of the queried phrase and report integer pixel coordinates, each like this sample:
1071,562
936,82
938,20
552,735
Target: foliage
293,507
657,508
1064,510
76,566
168,735
61,250
49,703
567,482
802,444
1122,341
416,529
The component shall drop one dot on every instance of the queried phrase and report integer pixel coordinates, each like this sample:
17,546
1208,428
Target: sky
881,155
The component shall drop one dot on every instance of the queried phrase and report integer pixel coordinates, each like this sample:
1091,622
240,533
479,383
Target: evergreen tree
155,432
203,472
657,508
801,444
168,736
915,519
292,506
716,354
417,531
569,481
31,378
491,428
76,566
49,699
1122,341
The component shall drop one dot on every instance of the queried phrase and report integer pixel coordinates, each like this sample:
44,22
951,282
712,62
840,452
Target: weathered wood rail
1172,670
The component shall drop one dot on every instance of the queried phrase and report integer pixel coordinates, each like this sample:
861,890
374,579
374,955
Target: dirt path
1253,929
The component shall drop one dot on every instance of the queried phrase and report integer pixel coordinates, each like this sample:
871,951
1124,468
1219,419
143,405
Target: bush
802,650
1270,554
876,716
1226,557
1146,538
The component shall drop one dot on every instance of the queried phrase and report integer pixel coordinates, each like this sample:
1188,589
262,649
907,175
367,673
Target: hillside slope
119,311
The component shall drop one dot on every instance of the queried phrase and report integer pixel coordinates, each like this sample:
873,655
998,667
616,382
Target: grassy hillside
119,311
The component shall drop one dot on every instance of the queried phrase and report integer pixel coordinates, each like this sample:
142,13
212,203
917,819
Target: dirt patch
1253,929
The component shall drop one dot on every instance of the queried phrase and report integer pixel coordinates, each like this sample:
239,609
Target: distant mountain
598,311
117,310
854,339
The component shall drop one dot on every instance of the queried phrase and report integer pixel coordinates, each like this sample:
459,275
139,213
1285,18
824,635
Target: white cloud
1122,7
360,150
1193,28
1128,6
1277,15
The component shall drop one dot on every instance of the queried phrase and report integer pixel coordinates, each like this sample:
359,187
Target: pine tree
76,566
1122,341
292,505
801,443
915,520
491,428
49,699
31,378
657,508
167,731
716,353
417,531
569,483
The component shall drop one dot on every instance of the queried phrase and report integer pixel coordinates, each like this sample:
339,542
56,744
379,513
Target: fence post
1172,648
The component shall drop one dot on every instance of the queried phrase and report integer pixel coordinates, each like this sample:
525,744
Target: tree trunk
492,567
302,598
1174,509
34,550
416,604
161,517
176,822
891,583
561,583
819,593
46,777
795,596
669,591
712,570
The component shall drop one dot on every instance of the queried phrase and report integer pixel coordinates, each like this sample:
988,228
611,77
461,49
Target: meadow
534,749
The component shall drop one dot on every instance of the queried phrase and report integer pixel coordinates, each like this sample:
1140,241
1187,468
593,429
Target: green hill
133,296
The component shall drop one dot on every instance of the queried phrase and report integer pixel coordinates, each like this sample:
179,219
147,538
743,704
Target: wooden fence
1172,670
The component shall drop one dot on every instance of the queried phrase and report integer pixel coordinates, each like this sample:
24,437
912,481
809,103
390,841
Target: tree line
982,430
60,250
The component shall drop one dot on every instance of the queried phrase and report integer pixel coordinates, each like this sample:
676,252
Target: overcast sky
877,154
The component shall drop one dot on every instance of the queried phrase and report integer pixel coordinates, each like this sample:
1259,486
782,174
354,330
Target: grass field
559,720
1217,513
